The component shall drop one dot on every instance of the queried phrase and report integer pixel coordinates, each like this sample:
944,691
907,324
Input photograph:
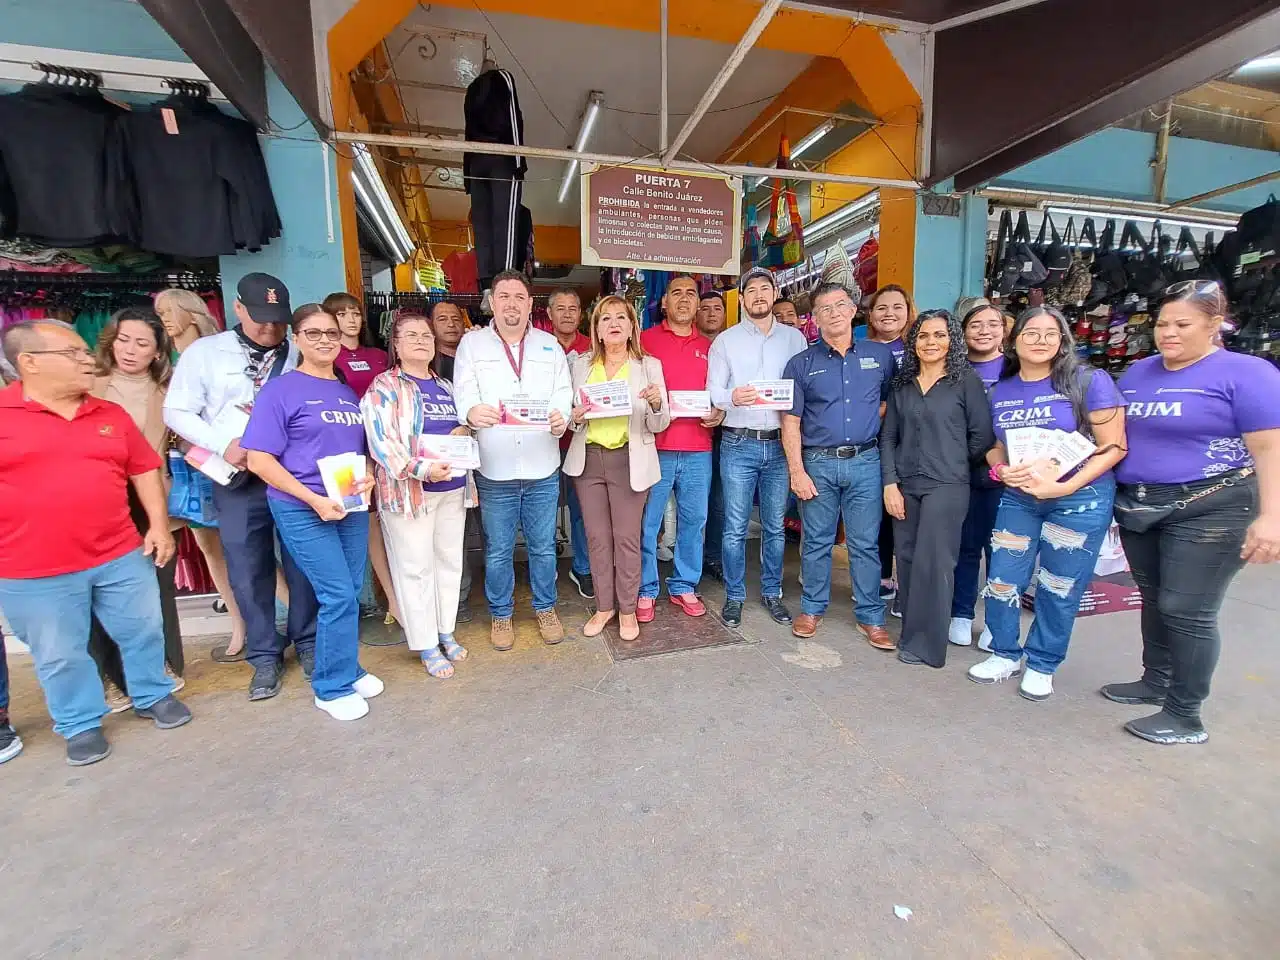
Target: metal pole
454,147
1222,191
664,138
1160,166
730,66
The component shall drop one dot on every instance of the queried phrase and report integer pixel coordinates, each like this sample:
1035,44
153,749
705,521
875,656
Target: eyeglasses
80,354
416,337
1041,336
841,309
332,334
1185,286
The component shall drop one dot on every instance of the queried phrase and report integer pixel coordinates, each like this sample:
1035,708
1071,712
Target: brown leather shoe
501,635
550,628
878,637
806,625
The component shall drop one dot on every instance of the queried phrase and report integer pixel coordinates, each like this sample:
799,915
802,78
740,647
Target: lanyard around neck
517,366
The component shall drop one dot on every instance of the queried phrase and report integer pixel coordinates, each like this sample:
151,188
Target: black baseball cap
265,297
754,273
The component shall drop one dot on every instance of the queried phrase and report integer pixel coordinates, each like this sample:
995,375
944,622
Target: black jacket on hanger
492,112
61,182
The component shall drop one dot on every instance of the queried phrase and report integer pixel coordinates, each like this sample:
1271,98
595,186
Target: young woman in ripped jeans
1060,522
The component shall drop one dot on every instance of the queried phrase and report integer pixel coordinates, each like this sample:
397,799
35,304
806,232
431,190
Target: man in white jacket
511,385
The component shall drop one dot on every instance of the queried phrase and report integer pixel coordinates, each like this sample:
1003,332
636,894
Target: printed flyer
609,399
521,413
340,475
690,403
773,394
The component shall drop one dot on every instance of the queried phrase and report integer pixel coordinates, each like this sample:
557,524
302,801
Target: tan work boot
549,626
501,634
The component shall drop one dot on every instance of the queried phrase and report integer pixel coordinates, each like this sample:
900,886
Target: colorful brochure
1049,453
773,394
521,413
461,453
211,465
609,399
340,475
690,403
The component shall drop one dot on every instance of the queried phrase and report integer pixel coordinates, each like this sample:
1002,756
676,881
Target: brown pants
613,514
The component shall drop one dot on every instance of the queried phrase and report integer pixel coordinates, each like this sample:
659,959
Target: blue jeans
529,505
975,544
850,488
4,681
52,615
748,467
689,474
332,555
1066,534
581,563
714,540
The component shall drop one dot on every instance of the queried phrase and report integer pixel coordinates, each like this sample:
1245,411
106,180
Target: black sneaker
88,747
776,609
713,570
464,610
267,678
10,742
168,712
731,613
896,608
586,586
1133,693
307,660
1164,727
888,590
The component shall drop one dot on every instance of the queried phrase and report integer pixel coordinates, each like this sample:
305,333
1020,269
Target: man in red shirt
684,451
565,309
68,548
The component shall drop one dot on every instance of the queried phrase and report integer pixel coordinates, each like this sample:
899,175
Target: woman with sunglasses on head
889,312
983,327
422,503
134,372
298,419
1059,520
361,365
937,425
1199,498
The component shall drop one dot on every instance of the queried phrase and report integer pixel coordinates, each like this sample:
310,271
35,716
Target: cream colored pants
425,554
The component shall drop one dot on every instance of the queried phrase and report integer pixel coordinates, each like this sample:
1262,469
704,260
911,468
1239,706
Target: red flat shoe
690,604
644,610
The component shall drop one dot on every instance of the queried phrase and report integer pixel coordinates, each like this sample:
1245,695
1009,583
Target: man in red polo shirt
684,451
68,548
565,309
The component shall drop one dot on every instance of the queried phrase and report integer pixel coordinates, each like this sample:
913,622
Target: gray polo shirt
742,354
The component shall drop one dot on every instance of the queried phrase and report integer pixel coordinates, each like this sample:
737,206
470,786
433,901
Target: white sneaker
961,632
1036,686
665,553
369,686
350,707
995,669
984,641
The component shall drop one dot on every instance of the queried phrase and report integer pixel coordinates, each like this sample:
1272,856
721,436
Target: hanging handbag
1145,269
191,495
995,269
1077,281
784,247
1054,255
1031,271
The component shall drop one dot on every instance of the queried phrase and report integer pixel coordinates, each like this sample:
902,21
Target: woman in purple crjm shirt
1199,498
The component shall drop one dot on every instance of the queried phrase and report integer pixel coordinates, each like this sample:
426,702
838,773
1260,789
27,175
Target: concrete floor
768,799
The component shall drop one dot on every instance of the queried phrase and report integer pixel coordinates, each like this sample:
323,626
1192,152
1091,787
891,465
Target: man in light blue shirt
751,456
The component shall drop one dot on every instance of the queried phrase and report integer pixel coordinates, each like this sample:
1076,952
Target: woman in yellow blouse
614,461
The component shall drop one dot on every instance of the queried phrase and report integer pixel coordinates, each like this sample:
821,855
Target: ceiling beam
1223,191
986,13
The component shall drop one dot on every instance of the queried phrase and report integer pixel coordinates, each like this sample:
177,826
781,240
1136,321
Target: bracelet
994,473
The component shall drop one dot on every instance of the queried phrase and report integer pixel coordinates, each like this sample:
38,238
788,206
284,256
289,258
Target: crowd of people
898,440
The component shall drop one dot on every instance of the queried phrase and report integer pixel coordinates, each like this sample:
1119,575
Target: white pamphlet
690,403
521,413
609,399
1066,451
461,453
1025,445
773,394
211,465
340,474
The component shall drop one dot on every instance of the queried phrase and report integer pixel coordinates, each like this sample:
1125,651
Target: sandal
219,653
436,664
452,648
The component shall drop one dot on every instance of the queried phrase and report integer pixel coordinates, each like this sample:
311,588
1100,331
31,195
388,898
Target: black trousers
103,649
886,545
1183,566
928,544
495,213
249,541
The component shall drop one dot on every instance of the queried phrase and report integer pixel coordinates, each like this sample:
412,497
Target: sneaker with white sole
369,686
1036,686
960,632
350,707
995,669
985,641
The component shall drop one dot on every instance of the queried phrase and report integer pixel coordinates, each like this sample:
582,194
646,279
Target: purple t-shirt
298,419
439,417
1034,403
1187,425
898,349
361,366
988,371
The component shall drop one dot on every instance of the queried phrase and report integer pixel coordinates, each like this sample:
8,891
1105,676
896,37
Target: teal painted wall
949,254
117,27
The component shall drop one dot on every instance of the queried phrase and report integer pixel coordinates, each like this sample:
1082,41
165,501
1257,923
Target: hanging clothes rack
30,64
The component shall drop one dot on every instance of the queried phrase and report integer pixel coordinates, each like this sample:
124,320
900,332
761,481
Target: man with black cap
208,404
751,456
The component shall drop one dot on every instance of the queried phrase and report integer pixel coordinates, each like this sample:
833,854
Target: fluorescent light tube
806,142
1122,215
594,101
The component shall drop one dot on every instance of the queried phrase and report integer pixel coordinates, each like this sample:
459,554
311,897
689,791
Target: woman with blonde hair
134,371
614,460
185,316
